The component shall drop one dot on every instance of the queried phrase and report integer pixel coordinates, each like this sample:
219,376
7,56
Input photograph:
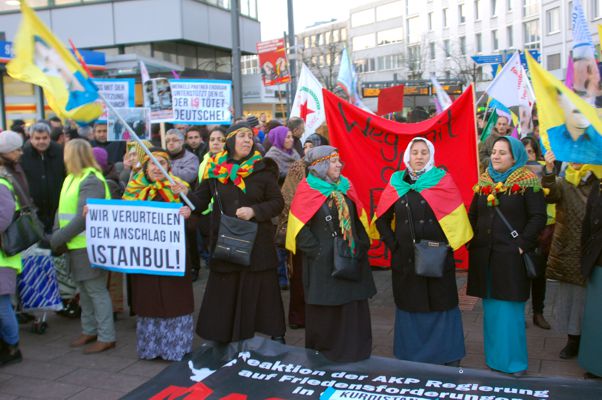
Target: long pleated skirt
590,348
429,337
236,305
341,333
504,335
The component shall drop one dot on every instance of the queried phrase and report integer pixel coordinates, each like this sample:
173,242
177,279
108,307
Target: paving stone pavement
52,370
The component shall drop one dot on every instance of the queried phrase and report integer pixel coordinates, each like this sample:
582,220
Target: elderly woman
497,271
242,300
84,181
163,304
590,350
13,194
570,196
428,323
325,205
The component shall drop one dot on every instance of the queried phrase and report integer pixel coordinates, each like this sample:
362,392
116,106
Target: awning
94,59
129,64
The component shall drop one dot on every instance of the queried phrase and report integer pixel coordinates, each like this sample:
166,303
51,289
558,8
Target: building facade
191,37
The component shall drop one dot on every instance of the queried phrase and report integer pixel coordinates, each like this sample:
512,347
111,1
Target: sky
273,14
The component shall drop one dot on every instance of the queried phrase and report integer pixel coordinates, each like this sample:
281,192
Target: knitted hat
101,156
10,141
252,121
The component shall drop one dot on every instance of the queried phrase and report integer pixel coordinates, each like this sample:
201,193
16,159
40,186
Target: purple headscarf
277,136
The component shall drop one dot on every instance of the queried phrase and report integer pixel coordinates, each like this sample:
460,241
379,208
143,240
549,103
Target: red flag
390,100
372,149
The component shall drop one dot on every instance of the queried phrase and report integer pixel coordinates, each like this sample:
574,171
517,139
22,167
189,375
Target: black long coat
591,232
317,244
263,196
45,175
494,256
415,293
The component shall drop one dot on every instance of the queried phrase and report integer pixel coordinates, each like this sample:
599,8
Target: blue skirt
590,348
504,335
433,337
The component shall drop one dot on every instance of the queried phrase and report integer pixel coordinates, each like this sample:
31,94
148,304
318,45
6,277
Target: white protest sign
119,92
201,101
136,237
157,96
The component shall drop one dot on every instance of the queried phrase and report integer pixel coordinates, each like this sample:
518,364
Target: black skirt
236,305
342,333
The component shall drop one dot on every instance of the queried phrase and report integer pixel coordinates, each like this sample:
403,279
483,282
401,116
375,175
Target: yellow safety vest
68,203
15,261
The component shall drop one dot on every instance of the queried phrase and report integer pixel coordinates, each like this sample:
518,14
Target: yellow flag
568,124
41,59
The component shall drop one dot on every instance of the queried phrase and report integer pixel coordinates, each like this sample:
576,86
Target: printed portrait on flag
568,124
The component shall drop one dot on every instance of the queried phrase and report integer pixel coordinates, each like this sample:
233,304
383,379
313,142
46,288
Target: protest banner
119,92
137,118
136,237
201,101
568,124
157,96
259,368
372,149
273,62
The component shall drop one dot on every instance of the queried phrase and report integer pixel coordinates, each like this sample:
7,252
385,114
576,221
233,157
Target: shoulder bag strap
219,202
410,219
328,219
513,231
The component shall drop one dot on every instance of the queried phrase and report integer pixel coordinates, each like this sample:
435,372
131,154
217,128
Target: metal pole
292,47
3,122
146,150
236,73
40,97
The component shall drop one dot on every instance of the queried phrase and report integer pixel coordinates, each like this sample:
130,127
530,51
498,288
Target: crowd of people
525,206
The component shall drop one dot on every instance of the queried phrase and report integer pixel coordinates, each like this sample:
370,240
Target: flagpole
146,150
480,99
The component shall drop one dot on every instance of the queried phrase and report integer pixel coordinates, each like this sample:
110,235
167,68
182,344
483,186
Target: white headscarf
430,164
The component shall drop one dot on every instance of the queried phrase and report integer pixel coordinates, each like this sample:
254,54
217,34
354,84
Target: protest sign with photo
272,62
373,147
136,237
260,368
119,92
201,101
137,118
157,96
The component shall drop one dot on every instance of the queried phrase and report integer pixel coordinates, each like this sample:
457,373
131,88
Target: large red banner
372,149
273,62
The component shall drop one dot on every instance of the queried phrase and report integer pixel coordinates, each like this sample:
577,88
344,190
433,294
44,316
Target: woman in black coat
337,317
242,300
428,322
496,271
590,348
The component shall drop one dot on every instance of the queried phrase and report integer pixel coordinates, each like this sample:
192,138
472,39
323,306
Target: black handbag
429,256
532,259
346,265
24,231
235,238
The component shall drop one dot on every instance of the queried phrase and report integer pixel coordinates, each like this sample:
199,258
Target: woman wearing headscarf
84,181
496,271
428,323
283,153
570,196
242,300
590,349
163,304
337,319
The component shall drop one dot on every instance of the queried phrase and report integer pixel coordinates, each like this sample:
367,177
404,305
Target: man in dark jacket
194,141
43,164
116,150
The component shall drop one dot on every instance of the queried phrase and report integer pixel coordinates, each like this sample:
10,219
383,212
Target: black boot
10,355
572,347
279,339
